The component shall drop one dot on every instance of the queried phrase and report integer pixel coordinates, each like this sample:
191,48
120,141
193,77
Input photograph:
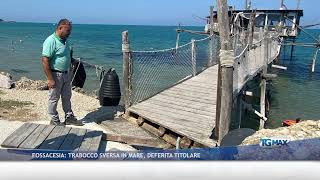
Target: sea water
295,92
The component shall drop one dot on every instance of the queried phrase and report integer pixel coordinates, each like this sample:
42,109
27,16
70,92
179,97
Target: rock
6,80
28,84
303,130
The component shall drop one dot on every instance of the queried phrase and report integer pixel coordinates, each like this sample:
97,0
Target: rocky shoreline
307,129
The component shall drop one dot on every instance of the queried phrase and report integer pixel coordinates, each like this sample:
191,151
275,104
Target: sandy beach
85,107
18,106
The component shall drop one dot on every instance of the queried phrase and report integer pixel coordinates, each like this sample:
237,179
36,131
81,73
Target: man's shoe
71,120
56,123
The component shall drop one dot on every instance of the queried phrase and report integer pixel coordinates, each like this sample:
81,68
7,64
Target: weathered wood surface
187,109
124,131
38,136
55,138
74,139
91,141
19,135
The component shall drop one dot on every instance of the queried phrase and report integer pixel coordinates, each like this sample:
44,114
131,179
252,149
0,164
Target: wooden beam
185,143
140,121
170,138
263,84
226,70
269,76
279,67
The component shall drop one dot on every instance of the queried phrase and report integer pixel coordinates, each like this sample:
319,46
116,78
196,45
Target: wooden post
178,37
226,88
194,57
239,109
126,70
263,84
210,60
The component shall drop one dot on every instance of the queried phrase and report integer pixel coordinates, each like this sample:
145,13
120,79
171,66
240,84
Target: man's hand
51,84
46,68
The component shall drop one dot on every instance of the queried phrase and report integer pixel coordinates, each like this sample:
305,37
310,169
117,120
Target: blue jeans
63,89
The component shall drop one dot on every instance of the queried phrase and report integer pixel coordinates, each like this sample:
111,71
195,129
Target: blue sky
140,12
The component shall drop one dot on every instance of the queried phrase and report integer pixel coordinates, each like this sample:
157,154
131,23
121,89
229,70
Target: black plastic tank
109,93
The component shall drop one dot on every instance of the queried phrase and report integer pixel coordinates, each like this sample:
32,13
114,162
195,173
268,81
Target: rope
175,48
227,58
74,75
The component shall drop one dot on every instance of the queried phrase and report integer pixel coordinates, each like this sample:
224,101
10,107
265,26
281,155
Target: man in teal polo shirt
56,61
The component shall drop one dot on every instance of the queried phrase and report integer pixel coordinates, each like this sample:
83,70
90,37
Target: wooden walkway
188,109
39,136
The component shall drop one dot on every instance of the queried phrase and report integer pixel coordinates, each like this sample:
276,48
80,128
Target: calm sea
295,93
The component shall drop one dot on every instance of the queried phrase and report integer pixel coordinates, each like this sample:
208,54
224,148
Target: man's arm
47,70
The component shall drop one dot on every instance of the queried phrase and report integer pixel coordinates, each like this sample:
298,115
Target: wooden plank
188,97
180,107
191,120
91,141
73,140
37,137
55,138
19,135
191,96
180,113
179,103
196,104
132,140
200,84
202,90
193,90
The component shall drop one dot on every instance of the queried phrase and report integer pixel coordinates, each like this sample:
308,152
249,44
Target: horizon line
12,21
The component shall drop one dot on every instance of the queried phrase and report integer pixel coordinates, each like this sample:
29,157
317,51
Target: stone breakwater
307,129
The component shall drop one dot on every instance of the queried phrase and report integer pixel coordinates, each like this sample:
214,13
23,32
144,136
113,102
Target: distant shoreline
3,21
94,24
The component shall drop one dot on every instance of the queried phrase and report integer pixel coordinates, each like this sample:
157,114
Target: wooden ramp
187,109
50,137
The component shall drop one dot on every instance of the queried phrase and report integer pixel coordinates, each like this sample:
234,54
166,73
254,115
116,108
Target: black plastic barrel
109,93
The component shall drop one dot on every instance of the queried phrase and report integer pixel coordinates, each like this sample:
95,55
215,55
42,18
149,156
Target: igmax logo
273,142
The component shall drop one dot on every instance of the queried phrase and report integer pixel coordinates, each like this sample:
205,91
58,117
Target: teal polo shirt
58,52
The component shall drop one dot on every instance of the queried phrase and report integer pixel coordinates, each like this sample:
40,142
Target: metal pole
314,61
126,70
226,87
